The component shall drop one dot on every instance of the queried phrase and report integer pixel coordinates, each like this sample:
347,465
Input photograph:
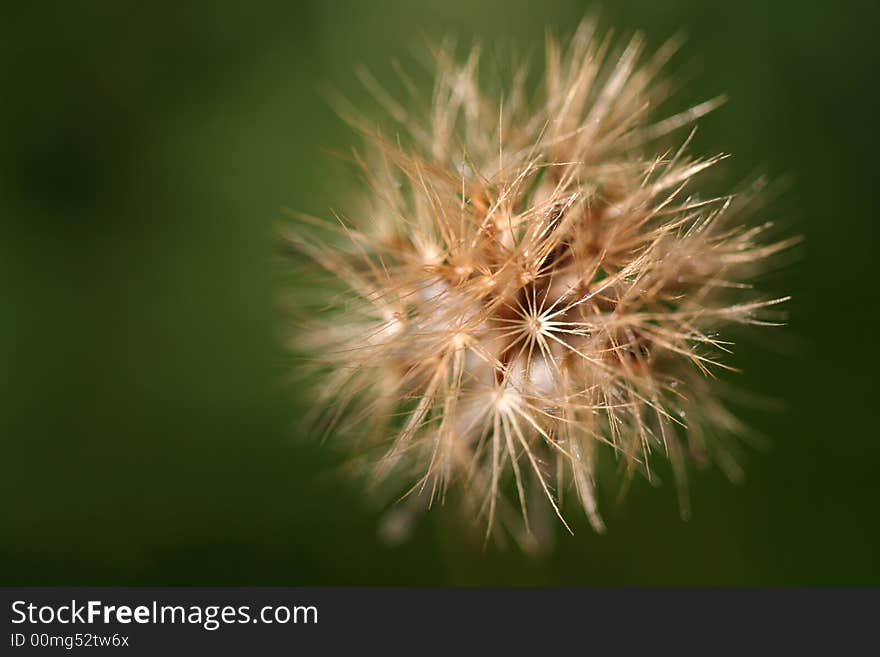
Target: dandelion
533,292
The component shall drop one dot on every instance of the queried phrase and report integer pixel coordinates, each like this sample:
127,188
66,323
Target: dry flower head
533,287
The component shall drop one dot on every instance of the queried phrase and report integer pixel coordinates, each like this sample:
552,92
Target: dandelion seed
534,290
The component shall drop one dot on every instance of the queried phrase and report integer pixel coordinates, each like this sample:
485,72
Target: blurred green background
148,433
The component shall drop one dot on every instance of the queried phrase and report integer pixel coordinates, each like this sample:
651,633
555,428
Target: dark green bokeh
148,435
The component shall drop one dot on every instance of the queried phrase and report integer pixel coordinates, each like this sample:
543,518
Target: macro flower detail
533,297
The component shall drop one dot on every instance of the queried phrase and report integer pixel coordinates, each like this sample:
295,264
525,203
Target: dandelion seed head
535,289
